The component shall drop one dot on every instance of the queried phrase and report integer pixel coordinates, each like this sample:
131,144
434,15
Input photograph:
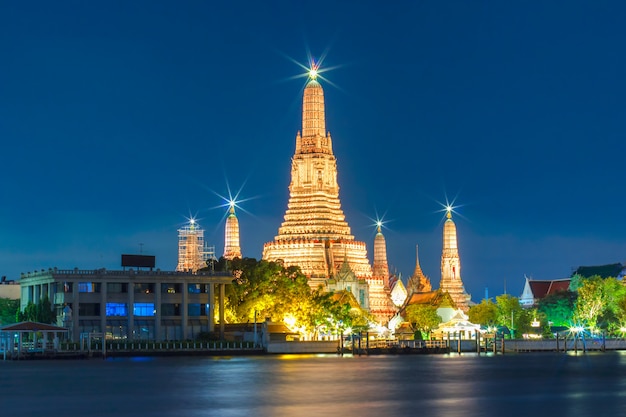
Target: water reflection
313,385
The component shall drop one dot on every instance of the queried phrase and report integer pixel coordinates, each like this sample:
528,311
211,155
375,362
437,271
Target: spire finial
231,210
449,212
313,71
378,226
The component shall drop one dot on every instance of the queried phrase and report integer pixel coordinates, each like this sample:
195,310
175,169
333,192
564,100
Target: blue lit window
117,309
88,287
144,309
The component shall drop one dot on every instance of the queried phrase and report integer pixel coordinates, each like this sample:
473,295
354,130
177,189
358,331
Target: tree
485,313
601,303
40,312
590,302
276,292
558,308
8,310
512,315
423,318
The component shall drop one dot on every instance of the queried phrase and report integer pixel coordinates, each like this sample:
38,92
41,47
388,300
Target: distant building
398,291
451,266
605,271
192,251
232,249
418,282
9,289
346,281
131,304
535,290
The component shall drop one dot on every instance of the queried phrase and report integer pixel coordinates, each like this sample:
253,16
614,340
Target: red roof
542,289
31,326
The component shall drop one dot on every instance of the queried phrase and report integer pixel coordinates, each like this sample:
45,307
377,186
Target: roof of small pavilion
543,288
32,326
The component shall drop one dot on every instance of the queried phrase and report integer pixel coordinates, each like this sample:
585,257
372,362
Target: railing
394,343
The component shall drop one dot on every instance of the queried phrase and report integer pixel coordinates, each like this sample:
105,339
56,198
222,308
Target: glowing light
576,329
290,321
313,72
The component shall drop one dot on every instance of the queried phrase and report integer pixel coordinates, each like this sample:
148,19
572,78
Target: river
537,384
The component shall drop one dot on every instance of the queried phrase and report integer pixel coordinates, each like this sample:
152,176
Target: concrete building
129,304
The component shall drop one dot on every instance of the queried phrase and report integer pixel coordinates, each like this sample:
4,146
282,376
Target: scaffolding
193,253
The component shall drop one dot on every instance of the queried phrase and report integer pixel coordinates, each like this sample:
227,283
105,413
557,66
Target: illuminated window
170,288
145,288
116,309
88,287
144,309
198,288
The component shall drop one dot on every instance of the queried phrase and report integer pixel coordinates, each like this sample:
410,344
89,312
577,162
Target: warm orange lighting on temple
314,234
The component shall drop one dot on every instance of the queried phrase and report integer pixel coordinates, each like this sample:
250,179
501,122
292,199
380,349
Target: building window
198,288
116,309
116,329
144,309
67,287
144,288
89,309
362,297
197,310
170,309
117,287
170,288
88,287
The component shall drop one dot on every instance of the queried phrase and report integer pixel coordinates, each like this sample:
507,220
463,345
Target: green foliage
423,318
601,303
558,308
512,315
485,313
8,310
275,292
40,312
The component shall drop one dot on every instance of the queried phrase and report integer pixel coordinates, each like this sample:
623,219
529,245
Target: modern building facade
131,304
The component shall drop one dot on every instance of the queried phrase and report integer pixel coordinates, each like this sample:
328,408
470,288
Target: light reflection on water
312,385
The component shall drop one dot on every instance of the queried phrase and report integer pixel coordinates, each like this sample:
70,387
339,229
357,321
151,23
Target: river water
537,384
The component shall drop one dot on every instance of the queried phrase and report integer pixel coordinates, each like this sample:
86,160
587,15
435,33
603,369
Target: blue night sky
119,121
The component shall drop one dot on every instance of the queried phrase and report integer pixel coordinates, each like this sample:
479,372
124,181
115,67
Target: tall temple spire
451,265
232,249
418,282
380,267
314,234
